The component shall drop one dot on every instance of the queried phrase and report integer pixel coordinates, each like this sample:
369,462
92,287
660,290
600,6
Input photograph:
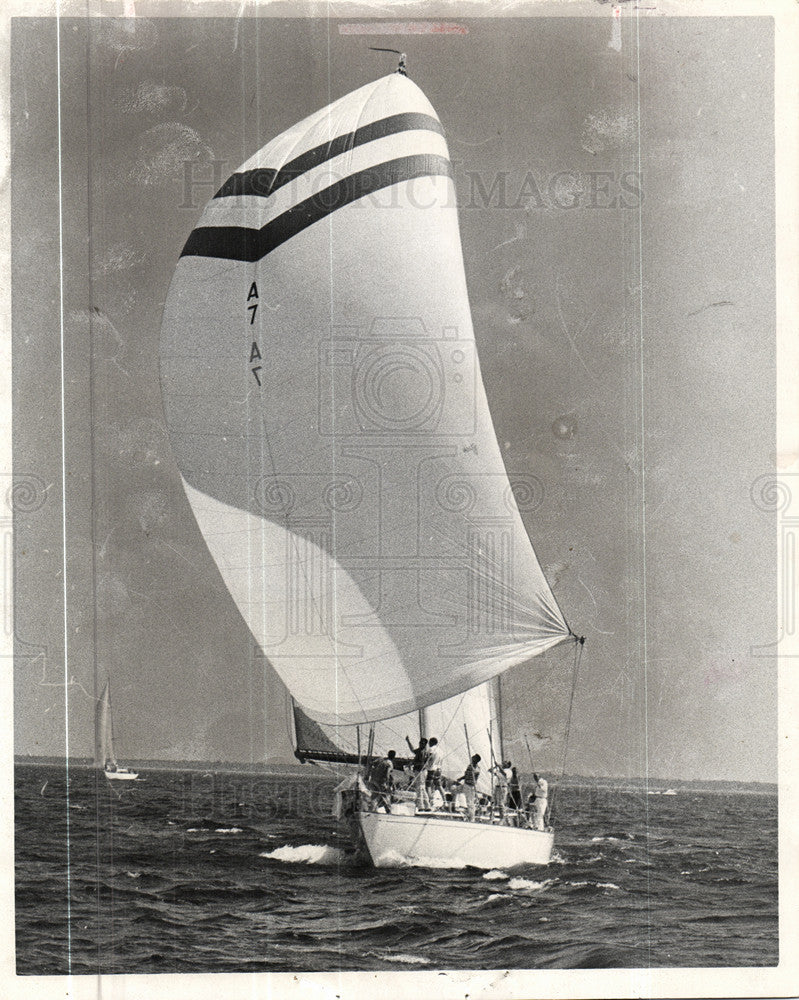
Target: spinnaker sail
325,406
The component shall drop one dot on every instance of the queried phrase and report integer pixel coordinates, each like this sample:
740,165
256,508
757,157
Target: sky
616,209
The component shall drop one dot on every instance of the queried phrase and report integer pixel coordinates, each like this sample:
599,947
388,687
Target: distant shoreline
287,768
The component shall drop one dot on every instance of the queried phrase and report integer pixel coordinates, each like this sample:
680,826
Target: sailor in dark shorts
514,791
421,756
420,753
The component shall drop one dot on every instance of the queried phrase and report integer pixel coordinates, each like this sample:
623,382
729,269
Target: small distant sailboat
104,754
324,403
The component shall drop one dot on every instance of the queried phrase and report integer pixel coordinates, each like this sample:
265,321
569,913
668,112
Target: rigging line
578,655
644,636
455,712
93,490
65,588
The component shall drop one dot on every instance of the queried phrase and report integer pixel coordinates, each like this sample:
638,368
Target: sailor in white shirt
434,762
541,789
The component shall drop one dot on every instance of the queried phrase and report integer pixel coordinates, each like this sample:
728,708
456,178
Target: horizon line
281,760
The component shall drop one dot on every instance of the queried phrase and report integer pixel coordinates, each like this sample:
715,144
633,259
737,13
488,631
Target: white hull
390,839
121,775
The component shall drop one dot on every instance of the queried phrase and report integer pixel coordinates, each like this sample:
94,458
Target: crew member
539,810
503,776
434,763
469,779
421,756
420,753
514,791
382,779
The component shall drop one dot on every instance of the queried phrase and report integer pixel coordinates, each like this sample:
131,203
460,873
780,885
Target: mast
111,752
498,700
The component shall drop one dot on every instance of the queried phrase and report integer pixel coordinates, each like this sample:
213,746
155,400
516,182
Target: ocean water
190,871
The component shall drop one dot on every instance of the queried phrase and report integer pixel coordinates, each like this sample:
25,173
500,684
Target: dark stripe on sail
250,245
263,181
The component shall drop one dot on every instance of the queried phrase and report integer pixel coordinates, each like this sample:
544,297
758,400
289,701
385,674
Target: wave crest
528,884
309,854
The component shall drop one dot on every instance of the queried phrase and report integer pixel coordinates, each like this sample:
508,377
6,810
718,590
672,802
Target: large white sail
326,410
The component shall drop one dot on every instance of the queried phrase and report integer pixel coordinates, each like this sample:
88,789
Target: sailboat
104,755
324,403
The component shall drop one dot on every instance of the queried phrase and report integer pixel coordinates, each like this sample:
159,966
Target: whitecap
578,885
608,840
526,883
495,895
494,874
133,874
607,885
406,959
309,854
228,829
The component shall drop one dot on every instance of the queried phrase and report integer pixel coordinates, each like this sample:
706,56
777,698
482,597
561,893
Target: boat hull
121,775
392,839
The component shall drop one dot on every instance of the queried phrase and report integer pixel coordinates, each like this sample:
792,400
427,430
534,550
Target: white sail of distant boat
324,403
104,753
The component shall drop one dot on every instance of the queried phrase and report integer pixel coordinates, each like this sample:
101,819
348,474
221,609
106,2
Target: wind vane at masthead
401,68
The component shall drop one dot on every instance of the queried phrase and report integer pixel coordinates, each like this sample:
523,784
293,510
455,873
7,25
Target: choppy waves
218,873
